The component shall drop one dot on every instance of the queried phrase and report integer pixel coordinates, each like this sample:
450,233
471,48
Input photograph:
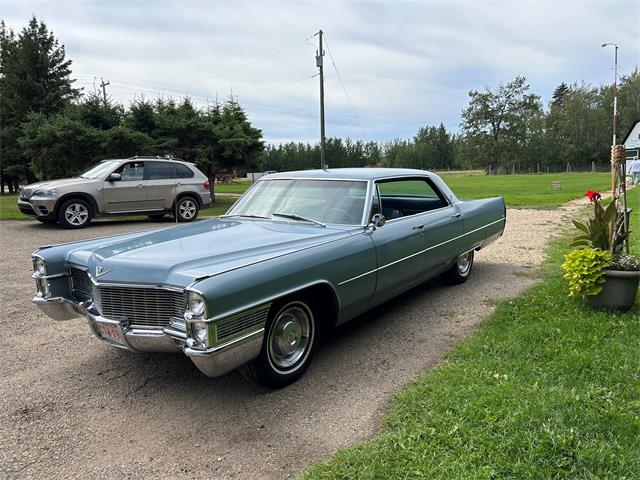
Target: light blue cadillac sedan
298,253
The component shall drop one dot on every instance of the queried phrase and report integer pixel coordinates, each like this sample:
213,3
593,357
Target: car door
128,194
399,244
161,184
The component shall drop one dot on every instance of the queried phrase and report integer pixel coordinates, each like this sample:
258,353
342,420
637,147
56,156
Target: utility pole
104,84
319,64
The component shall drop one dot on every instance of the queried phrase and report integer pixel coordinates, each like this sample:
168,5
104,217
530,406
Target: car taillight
207,185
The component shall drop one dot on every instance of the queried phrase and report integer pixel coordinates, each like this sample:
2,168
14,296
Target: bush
585,270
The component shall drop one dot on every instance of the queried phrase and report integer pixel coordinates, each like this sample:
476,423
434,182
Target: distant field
9,209
528,190
518,190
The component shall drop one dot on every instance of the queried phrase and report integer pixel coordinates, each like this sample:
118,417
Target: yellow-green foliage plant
584,270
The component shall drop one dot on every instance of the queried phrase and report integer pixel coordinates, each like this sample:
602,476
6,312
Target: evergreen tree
34,78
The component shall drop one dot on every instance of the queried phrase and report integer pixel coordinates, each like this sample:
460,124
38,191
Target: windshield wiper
245,215
293,216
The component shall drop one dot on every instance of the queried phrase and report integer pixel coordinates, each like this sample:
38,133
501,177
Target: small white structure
632,142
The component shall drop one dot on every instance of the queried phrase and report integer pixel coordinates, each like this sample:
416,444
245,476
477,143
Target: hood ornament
101,271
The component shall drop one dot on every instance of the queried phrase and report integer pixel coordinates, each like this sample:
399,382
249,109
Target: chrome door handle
456,215
418,227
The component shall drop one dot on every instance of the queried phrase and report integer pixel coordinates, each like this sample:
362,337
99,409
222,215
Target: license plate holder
110,332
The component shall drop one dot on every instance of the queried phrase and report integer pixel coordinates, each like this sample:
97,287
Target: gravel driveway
71,407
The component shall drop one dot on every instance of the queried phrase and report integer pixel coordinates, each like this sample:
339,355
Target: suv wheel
186,209
75,213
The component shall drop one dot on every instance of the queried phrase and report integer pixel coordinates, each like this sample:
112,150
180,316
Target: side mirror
114,177
378,220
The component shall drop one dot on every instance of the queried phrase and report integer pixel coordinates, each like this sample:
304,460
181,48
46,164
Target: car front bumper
218,360
126,338
38,206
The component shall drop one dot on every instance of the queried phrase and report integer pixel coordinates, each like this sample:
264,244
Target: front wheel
75,213
291,336
460,270
186,209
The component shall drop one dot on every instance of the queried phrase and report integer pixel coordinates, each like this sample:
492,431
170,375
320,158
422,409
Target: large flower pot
619,292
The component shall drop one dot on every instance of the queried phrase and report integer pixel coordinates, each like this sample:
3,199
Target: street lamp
615,87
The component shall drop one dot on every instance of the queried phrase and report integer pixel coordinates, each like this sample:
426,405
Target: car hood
56,183
180,255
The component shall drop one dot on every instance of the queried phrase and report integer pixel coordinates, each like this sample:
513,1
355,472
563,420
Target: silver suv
139,185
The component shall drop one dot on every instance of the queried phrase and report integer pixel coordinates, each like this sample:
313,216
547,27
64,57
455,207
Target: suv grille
145,307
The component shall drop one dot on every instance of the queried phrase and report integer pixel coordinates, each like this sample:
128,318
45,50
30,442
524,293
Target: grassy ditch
545,388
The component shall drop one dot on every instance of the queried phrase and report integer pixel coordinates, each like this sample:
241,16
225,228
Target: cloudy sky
403,64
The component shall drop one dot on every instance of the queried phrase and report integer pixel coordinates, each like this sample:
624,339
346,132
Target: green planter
619,291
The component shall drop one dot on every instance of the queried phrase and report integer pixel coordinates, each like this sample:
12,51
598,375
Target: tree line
50,129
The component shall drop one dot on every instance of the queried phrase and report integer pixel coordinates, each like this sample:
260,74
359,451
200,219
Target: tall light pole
319,64
615,89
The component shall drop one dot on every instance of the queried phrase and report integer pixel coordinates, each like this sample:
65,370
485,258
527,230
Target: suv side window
160,170
131,171
182,171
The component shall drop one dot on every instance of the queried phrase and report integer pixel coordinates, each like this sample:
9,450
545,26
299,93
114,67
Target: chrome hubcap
464,263
290,336
76,214
187,209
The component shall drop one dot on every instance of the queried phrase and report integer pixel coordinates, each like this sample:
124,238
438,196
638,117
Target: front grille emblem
101,271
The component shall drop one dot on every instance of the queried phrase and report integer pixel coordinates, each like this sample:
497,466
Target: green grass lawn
518,190
546,388
528,190
9,210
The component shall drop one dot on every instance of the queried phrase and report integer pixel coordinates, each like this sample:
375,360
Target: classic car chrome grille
141,306
145,307
81,285
234,325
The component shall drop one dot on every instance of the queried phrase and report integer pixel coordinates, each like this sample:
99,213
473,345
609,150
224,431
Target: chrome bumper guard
218,360
132,339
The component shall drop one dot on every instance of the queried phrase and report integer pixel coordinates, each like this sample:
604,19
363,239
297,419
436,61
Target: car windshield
101,170
316,201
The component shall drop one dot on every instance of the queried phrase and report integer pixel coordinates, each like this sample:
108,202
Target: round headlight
39,267
200,332
195,304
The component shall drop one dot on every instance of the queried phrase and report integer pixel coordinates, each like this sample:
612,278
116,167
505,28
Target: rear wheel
75,213
461,270
186,209
291,336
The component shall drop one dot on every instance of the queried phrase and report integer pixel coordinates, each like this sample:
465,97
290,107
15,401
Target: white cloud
404,64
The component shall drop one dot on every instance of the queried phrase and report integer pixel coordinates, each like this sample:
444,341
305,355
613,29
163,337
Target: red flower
592,195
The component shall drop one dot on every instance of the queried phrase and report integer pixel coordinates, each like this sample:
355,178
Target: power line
256,60
345,91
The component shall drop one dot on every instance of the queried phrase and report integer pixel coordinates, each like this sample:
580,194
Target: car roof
365,174
155,159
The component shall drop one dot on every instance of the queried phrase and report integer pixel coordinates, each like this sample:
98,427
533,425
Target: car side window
160,171
411,196
182,171
131,172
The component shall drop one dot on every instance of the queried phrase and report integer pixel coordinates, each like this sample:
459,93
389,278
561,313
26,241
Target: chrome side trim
421,252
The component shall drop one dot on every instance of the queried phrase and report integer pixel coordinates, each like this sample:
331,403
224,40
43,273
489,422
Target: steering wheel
346,215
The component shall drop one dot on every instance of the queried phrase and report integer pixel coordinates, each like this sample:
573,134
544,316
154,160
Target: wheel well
195,196
323,298
77,195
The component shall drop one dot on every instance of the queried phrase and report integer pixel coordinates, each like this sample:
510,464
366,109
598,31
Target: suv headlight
39,267
46,193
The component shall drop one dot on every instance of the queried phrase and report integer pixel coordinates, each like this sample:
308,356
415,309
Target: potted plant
598,270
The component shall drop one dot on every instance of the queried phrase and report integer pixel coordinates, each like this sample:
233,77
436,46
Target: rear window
182,171
160,170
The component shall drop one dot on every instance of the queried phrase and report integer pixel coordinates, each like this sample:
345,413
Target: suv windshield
101,170
326,201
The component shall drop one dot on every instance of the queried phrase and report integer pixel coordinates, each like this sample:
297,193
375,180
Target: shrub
585,270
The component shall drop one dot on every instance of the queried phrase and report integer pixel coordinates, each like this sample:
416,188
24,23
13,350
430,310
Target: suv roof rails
155,157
